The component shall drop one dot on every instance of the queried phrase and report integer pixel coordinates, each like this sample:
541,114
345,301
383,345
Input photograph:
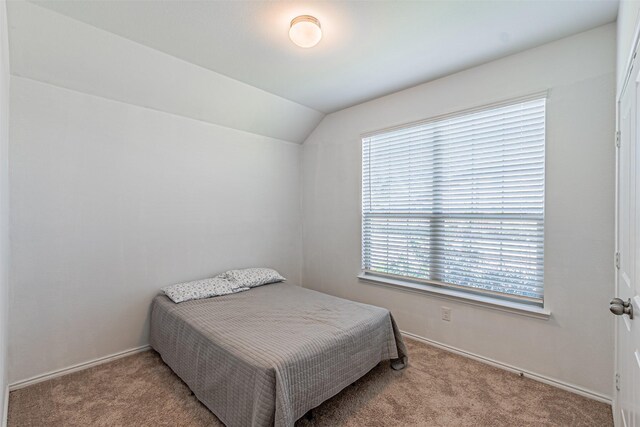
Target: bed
267,356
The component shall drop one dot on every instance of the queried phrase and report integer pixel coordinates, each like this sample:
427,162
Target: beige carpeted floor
437,389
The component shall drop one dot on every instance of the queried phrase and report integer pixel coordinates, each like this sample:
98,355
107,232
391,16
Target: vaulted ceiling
368,49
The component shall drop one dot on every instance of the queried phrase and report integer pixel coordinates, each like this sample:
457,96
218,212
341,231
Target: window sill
463,297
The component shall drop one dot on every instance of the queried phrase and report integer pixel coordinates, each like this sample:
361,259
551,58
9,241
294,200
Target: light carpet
438,388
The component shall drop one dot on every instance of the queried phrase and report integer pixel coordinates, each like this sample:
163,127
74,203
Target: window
458,202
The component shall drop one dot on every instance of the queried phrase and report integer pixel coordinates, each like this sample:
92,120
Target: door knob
620,302
620,307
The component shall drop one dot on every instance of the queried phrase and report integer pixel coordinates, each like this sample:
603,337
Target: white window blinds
459,202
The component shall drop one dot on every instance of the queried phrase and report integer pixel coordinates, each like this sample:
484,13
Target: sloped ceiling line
368,49
53,48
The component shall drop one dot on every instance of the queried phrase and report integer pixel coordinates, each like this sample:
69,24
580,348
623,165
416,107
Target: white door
627,307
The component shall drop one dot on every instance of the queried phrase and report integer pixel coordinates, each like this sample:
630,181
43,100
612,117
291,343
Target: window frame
461,293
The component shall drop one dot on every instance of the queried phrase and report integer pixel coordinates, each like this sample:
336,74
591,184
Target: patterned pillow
252,277
198,289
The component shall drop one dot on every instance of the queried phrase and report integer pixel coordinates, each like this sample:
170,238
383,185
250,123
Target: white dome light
305,31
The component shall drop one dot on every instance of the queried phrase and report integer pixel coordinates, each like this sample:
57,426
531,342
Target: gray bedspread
268,355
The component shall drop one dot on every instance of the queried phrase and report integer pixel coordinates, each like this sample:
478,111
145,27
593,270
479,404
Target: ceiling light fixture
305,31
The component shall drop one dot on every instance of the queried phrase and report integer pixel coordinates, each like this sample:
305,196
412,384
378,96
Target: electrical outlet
446,314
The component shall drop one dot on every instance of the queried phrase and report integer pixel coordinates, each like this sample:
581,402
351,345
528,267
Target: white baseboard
5,412
79,367
542,378
95,362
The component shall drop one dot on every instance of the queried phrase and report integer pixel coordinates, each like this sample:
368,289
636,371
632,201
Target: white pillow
252,277
198,289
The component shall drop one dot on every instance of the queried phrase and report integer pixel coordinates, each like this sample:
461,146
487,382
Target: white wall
132,170
576,345
628,14
4,211
110,202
